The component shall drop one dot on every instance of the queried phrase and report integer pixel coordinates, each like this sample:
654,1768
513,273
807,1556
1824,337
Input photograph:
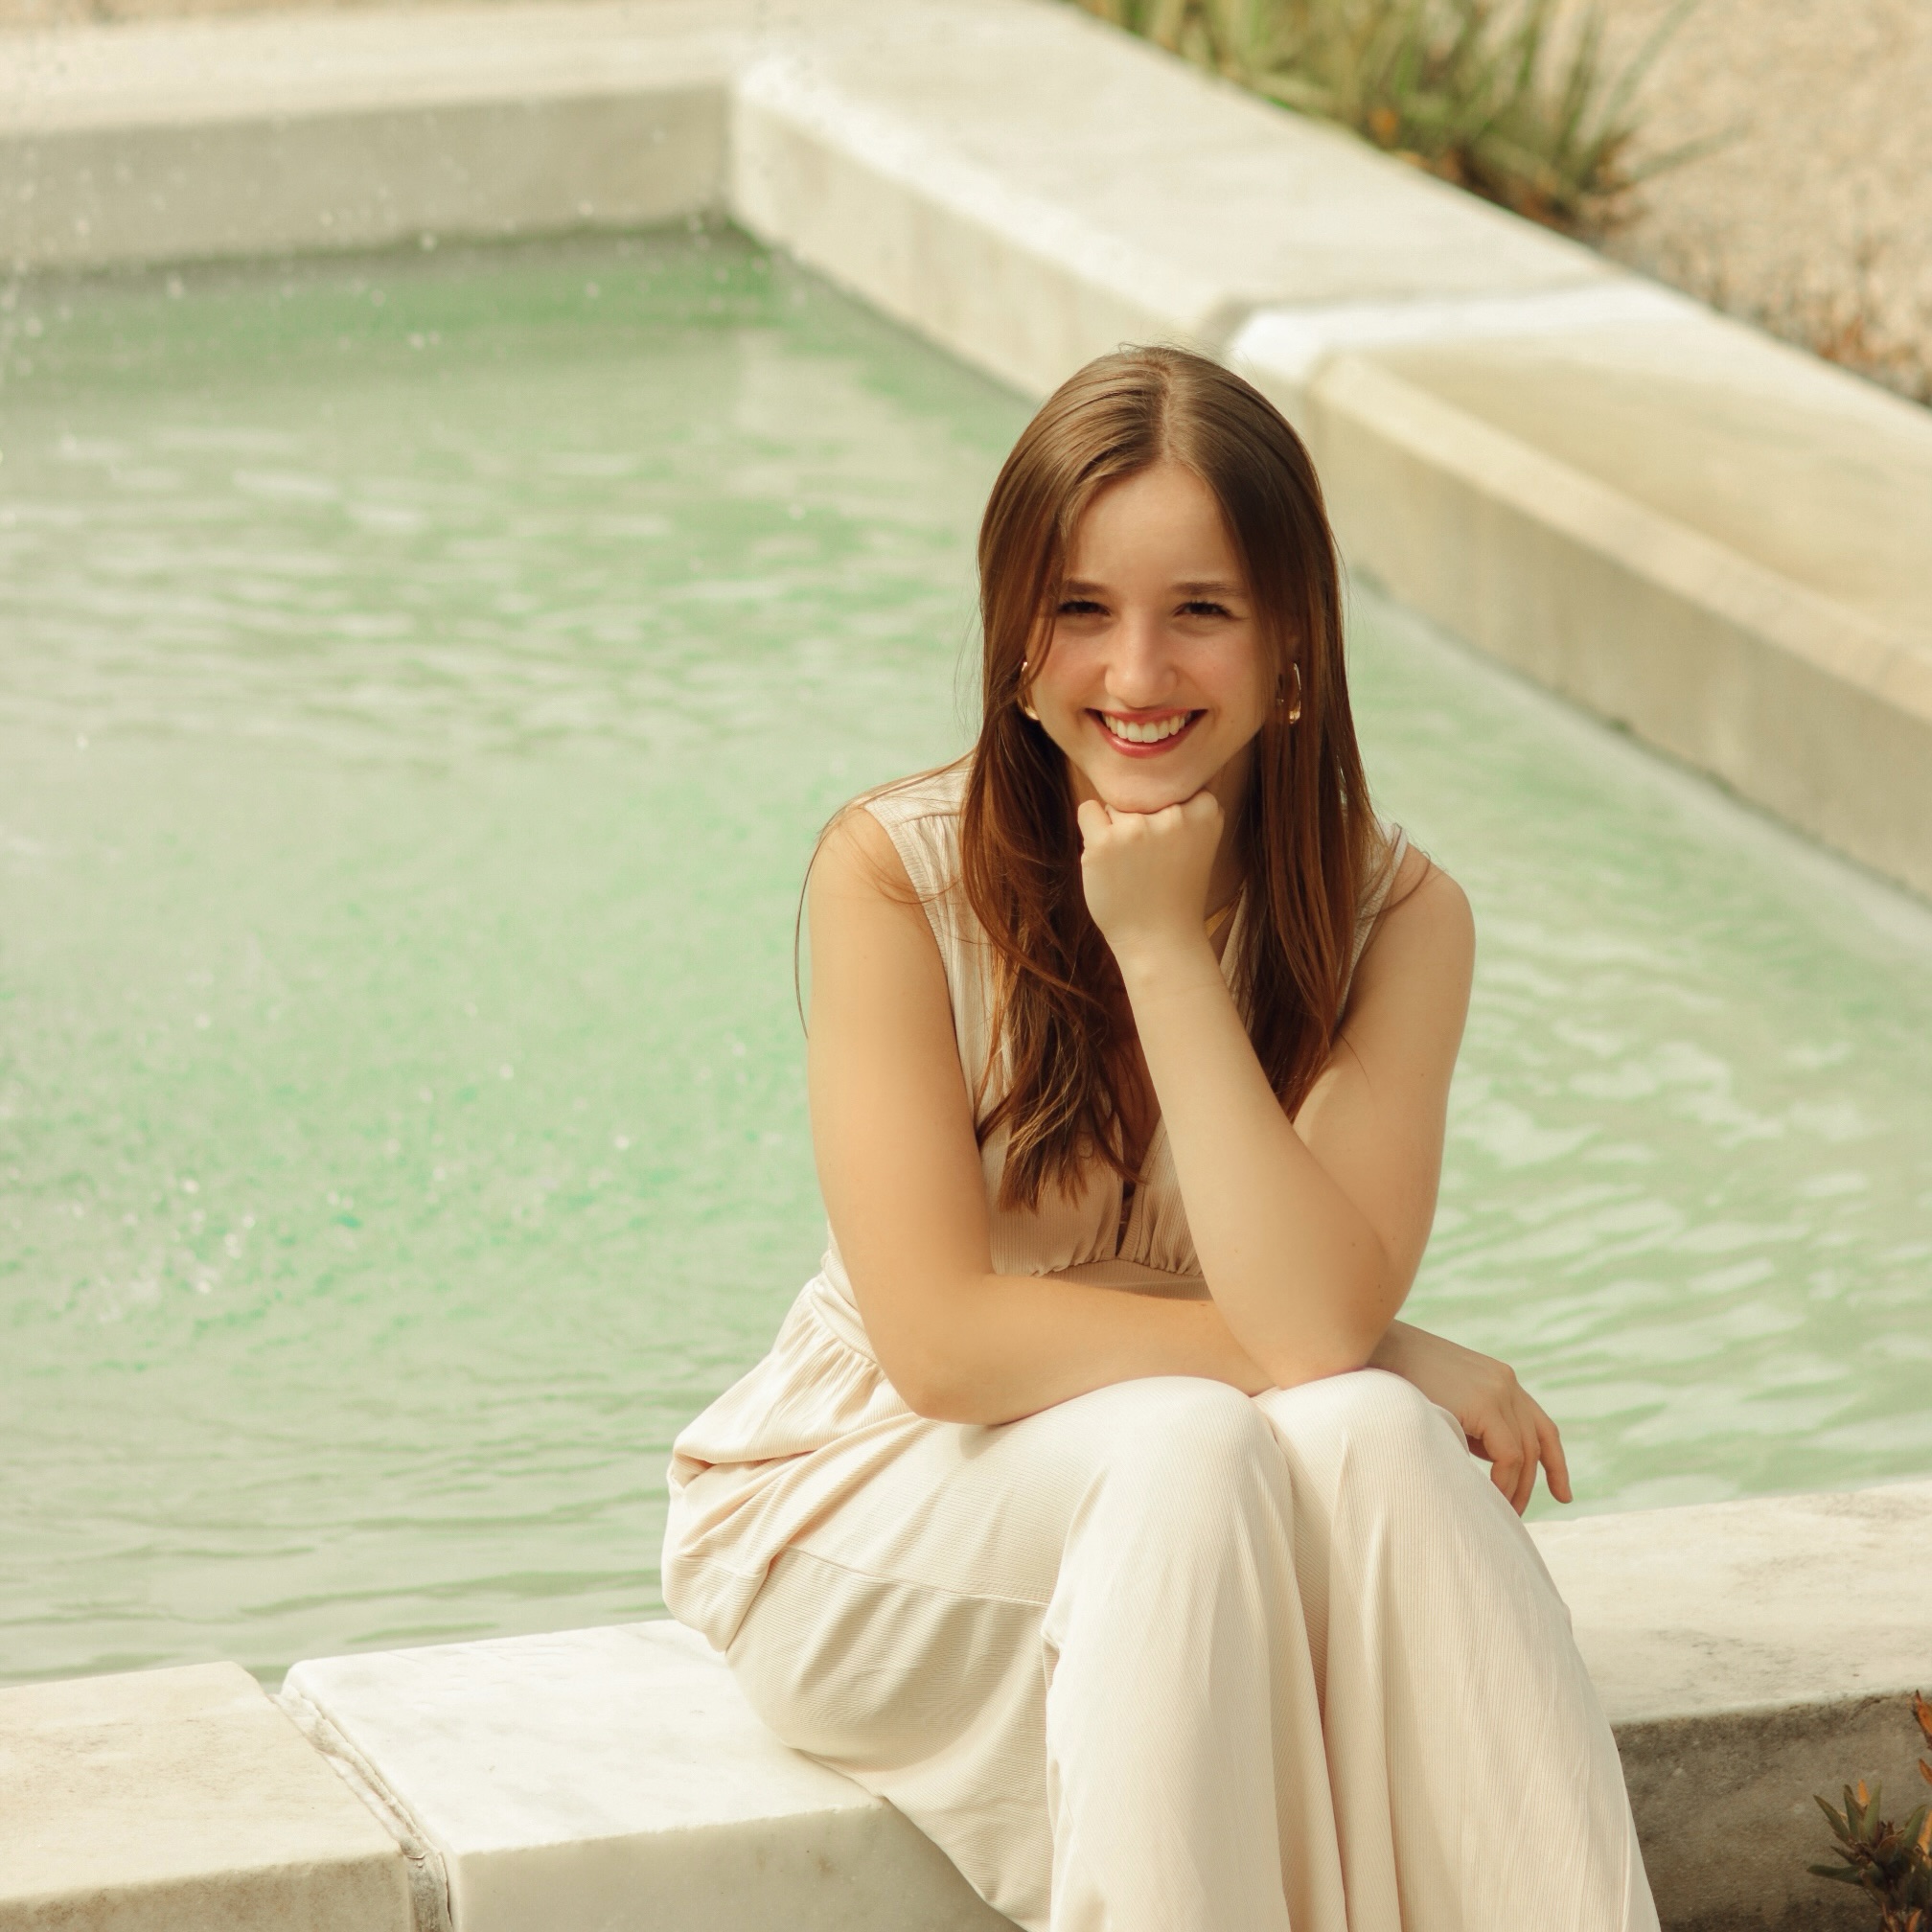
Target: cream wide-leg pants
1166,1659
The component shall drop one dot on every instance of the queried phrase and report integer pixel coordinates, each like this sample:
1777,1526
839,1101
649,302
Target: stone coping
1749,1654
615,1777
181,1801
1700,535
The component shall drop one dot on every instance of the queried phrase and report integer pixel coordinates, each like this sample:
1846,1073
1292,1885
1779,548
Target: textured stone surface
615,1777
1813,212
221,138
181,1801
1030,188
1751,1654
1724,560
1790,462
1774,1601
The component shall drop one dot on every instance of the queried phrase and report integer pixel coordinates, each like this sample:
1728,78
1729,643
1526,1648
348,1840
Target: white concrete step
181,1801
1748,1653
1751,1654
614,1779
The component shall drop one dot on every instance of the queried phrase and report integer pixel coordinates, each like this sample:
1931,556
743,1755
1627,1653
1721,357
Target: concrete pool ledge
181,1801
208,139
1704,537
1739,581
1749,1655
615,1777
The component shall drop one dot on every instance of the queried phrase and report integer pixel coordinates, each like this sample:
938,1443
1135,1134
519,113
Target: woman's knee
1181,1456
1376,1430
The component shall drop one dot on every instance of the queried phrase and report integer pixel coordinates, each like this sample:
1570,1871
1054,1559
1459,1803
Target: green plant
1891,1864
1514,99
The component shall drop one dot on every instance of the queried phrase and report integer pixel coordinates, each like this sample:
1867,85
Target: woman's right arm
892,1131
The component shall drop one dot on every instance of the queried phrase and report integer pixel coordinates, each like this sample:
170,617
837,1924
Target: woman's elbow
931,1385
1346,1336
925,1345
923,1392
1367,1317
1314,1361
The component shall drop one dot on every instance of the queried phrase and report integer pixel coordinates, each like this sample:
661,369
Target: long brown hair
1306,836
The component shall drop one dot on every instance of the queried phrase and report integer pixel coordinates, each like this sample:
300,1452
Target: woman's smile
1145,734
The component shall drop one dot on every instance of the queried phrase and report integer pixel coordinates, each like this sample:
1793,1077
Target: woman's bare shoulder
895,841
1426,920
874,953
857,857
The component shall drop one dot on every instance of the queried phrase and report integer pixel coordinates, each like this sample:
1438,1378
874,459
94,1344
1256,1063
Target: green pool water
421,680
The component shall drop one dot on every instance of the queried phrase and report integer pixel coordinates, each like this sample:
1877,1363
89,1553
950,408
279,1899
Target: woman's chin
1152,792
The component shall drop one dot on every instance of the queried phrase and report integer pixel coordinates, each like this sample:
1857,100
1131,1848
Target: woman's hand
1502,1423
1146,873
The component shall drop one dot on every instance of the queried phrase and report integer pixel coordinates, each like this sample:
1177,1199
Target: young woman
1092,1505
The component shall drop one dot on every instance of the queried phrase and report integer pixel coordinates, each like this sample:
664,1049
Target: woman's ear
1288,693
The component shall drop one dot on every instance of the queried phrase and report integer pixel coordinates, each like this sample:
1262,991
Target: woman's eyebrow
1204,586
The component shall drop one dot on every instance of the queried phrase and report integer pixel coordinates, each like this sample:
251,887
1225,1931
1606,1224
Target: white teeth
1151,733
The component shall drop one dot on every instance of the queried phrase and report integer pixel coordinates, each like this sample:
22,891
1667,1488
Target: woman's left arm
1309,1231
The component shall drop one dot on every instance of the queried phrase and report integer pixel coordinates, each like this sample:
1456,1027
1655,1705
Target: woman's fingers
1503,1447
1502,1422
1555,1464
1528,1460
1518,1438
1146,874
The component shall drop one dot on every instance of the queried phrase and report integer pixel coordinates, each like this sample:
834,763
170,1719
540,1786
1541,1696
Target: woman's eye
1079,607
1203,607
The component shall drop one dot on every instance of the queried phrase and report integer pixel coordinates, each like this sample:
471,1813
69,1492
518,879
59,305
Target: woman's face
1154,678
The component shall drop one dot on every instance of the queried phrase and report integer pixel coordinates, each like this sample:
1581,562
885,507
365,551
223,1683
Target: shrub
1488,94
1891,1864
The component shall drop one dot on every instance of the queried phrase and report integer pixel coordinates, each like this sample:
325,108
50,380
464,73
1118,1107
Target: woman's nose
1139,669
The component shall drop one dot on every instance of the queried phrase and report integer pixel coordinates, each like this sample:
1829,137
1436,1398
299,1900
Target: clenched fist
1146,873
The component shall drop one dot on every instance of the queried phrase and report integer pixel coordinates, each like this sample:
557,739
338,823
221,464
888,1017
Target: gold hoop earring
1025,709
1291,713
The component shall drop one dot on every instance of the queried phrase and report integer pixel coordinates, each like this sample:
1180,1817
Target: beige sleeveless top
805,1424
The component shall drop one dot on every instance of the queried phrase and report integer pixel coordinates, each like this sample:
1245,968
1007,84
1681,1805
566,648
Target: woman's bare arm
892,1130
1309,1231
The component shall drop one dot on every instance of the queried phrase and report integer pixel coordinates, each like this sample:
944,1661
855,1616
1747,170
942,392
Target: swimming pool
423,676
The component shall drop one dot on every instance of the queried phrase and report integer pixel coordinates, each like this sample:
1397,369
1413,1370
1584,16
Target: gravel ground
1814,217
